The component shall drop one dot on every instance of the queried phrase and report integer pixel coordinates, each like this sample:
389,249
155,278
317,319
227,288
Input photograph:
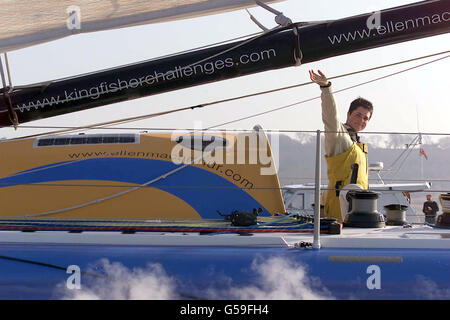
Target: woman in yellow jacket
346,157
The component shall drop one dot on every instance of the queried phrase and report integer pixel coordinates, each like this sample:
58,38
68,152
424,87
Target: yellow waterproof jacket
340,171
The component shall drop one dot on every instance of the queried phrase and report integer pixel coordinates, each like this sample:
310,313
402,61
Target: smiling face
358,119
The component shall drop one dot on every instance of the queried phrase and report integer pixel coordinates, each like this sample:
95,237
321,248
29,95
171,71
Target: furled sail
25,23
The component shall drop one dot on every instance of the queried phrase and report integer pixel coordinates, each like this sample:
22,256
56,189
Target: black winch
363,210
396,214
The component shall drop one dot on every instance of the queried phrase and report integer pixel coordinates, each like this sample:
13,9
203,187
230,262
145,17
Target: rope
228,130
401,164
49,265
338,91
102,125
2,74
207,187
84,273
275,29
99,125
331,78
6,93
171,226
263,34
398,180
258,36
7,70
280,219
266,112
46,83
205,46
163,176
259,24
401,154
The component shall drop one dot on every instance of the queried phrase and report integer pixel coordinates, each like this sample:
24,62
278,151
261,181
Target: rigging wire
396,180
330,78
401,154
82,272
143,129
115,195
258,36
207,46
244,42
163,187
132,119
95,126
143,187
283,107
337,91
6,92
402,163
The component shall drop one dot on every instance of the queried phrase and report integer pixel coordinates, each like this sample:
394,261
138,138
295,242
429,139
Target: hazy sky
399,101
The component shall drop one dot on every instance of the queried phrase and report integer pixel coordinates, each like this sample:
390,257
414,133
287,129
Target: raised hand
320,78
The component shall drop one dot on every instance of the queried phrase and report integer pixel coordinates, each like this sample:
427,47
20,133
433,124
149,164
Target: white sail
25,23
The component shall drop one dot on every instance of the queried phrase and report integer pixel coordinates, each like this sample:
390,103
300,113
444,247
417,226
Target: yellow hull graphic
142,176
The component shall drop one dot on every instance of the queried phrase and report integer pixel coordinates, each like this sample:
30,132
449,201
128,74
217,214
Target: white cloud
425,288
121,283
278,278
275,278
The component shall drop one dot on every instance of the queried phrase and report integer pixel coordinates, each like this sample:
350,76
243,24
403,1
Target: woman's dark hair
361,102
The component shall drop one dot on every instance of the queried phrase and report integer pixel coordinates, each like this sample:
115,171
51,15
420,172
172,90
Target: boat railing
391,180
427,169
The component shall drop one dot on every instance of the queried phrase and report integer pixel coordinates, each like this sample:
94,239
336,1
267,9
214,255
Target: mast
290,46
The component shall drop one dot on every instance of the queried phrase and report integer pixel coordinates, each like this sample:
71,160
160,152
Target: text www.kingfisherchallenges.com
154,78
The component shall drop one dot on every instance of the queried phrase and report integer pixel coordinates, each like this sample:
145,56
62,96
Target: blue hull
40,272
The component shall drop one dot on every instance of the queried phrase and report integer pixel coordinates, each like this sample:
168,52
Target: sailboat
179,213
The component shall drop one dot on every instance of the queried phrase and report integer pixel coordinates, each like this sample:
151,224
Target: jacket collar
353,134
